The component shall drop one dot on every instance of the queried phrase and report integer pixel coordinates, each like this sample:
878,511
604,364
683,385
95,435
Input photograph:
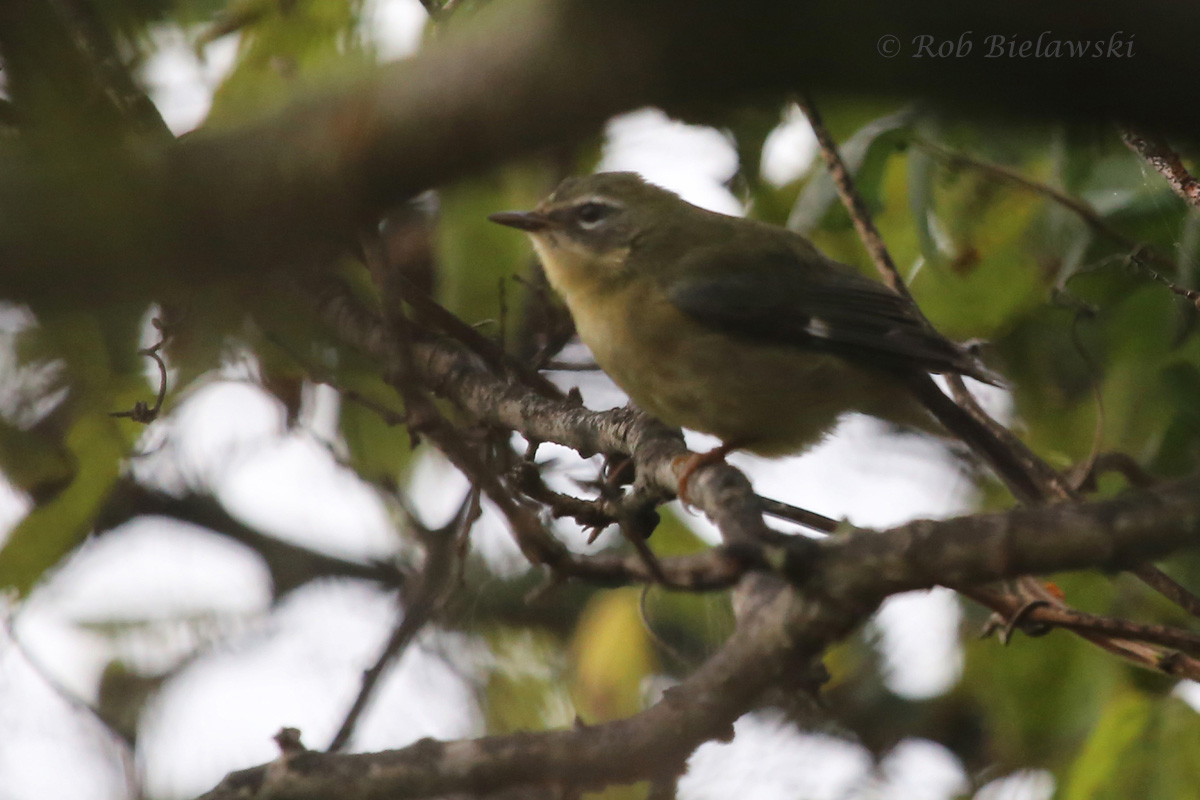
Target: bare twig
1071,619
141,412
1031,478
802,516
427,597
1140,256
493,354
1122,463
1159,155
853,201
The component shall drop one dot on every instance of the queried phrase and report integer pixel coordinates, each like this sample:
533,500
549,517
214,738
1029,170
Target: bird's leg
694,461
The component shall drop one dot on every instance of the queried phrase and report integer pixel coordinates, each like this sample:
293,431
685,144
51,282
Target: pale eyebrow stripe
598,200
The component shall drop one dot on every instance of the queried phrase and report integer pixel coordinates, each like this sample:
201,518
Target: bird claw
694,461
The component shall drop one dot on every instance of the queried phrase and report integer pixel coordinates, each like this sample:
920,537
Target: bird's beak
529,221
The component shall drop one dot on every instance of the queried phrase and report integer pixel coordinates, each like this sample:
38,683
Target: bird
741,329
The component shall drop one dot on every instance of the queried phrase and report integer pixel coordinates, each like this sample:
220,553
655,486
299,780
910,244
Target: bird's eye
591,214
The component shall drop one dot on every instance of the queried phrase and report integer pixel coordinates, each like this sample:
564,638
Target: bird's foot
694,461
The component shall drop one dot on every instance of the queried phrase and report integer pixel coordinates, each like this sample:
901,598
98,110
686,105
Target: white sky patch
1027,784
1188,692
919,640
294,489
918,769
50,748
394,27
230,436
181,83
302,670
14,505
863,472
693,161
789,149
778,761
155,569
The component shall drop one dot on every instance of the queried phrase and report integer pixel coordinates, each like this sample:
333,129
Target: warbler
735,327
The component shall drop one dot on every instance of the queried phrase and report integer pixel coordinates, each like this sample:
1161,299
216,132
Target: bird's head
585,231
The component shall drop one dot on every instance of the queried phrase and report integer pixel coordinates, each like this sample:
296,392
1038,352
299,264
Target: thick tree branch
847,579
836,583
290,189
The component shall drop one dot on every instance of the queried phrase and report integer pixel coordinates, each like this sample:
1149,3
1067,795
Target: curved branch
840,587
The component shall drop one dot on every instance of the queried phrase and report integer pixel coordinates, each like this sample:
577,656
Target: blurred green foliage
1099,356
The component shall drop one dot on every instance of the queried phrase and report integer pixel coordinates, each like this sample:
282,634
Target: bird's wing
787,298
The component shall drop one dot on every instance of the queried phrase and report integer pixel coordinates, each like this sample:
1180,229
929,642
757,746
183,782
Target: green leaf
611,656
1038,697
285,47
52,530
1143,746
475,255
865,154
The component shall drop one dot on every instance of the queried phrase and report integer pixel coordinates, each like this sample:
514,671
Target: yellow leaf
611,654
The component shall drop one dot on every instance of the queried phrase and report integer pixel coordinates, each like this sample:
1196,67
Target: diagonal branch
426,599
838,588
1030,478
1140,255
1166,162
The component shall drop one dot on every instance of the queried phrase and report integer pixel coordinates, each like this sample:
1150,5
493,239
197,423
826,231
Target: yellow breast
772,400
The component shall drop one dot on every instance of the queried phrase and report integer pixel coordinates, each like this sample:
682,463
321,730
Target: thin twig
142,413
1159,155
1139,256
1000,444
853,201
1169,588
1048,482
1122,463
1134,631
493,354
428,595
571,366
802,516
654,636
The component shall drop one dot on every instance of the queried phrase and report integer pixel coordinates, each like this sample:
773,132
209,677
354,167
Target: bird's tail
1004,461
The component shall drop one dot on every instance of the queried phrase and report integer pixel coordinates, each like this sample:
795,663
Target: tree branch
290,189
838,588
425,599
1159,155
